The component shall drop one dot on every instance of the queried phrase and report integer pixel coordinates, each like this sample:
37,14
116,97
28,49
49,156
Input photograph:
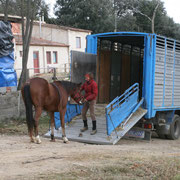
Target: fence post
19,103
54,74
27,74
65,68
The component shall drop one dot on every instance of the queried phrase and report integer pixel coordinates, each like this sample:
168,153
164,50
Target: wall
62,55
65,36
11,106
72,40
51,34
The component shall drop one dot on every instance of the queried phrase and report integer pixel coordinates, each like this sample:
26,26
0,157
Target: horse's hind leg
52,126
32,138
38,111
62,114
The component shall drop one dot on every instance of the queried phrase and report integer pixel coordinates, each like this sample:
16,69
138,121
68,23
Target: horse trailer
138,76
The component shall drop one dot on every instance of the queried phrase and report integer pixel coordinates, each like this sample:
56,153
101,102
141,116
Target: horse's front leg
38,111
52,126
62,114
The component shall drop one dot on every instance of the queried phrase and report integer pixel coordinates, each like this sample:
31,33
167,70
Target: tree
127,23
148,13
140,9
5,5
29,10
86,14
170,29
9,7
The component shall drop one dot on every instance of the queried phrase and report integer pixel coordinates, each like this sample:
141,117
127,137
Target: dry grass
164,169
19,127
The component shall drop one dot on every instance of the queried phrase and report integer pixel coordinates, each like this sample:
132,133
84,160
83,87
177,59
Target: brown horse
51,97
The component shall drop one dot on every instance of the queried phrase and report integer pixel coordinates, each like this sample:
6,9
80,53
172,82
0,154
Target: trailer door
82,63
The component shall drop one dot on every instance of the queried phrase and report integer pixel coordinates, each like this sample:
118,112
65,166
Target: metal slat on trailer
167,76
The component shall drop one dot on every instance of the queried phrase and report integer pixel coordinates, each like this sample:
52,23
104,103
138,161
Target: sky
172,8
51,6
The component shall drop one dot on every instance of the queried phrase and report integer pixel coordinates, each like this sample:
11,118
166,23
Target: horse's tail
28,105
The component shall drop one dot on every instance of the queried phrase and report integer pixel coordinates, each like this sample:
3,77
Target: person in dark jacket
91,92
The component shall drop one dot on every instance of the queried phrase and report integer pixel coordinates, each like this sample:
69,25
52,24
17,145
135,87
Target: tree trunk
154,15
6,11
26,36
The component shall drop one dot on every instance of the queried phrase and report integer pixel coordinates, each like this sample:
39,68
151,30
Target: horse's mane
68,85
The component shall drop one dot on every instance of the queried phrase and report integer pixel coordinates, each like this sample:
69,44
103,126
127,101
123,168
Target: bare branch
137,11
154,14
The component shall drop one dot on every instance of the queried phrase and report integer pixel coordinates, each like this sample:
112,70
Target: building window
78,42
48,57
55,57
20,53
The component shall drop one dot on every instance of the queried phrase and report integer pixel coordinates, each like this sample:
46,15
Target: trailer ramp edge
135,117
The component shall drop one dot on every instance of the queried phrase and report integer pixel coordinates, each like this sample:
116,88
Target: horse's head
76,95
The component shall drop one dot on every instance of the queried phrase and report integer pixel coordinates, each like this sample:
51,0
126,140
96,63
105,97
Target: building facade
50,47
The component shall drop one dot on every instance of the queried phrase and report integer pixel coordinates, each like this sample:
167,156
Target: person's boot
85,128
94,131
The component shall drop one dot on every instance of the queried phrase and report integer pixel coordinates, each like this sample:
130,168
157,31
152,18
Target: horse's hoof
33,139
52,140
65,139
38,140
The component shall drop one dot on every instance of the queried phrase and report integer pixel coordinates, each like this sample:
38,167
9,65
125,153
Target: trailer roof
120,34
128,38
131,38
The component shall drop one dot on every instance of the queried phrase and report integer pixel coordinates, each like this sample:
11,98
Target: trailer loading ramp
101,137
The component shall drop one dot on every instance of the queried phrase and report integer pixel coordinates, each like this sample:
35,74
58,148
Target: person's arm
82,88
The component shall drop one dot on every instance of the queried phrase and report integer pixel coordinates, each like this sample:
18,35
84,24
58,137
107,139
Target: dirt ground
129,159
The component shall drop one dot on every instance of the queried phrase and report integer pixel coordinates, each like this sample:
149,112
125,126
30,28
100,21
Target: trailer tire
174,132
162,136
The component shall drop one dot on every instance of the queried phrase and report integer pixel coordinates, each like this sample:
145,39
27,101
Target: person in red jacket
91,92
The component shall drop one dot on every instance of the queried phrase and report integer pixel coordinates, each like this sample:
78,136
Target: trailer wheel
162,136
174,128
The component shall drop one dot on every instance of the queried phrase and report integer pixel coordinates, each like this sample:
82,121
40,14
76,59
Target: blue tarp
72,111
8,78
8,75
7,62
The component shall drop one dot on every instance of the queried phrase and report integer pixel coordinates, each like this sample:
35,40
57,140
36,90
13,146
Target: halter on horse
51,97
